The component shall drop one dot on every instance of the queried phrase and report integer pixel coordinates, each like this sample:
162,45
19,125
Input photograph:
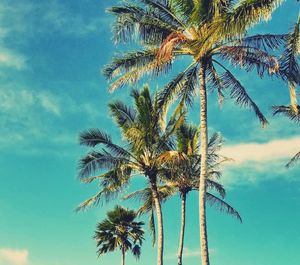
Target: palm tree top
119,230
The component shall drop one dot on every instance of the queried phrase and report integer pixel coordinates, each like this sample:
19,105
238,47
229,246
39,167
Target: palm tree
182,171
146,138
184,177
209,32
120,231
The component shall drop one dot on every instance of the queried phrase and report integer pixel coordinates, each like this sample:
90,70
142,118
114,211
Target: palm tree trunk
181,241
123,256
203,171
160,228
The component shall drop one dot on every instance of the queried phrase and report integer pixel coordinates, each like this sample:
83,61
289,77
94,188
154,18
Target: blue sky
51,53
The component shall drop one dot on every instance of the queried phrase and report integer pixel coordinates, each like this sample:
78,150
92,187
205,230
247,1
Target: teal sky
51,53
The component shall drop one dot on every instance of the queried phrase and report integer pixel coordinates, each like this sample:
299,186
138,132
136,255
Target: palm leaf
287,111
222,205
294,159
238,92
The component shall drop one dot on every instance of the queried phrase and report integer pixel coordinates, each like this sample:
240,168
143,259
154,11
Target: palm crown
120,231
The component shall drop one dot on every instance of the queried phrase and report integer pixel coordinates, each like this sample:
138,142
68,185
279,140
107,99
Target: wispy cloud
258,162
13,256
12,100
12,59
260,152
189,253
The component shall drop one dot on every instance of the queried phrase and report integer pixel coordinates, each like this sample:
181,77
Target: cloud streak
13,256
260,152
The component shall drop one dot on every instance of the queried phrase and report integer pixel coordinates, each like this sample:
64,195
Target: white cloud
16,101
257,162
189,253
13,256
10,58
49,103
260,152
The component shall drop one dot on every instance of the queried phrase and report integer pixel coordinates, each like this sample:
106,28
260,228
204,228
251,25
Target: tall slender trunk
182,229
123,256
203,171
160,228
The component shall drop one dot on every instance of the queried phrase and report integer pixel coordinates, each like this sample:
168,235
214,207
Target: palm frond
288,60
183,86
249,58
263,41
133,22
294,159
95,161
94,137
163,9
222,205
128,62
238,92
122,114
213,185
214,82
136,73
288,112
242,16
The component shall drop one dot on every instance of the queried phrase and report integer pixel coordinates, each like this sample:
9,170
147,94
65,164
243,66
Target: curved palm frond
249,58
238,92
184,85
128,62
287,111
94,137
222,206
263,41
242,16
122,114
289,64
294,159
134,22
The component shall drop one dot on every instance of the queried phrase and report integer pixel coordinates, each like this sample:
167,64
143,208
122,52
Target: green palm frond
294,159
222,205
184,84
95,161
128,62
122,114
289,63
238,92
287,111
213,185
249,58
94,137
263,41
163,9
214,82
134,22
242,16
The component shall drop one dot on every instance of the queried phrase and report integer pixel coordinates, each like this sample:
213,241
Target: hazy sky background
51,53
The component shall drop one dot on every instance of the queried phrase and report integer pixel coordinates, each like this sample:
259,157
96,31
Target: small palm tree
120,231
185,174
146,137
209,32
181,176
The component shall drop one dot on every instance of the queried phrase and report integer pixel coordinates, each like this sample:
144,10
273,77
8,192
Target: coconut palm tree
181,176
146,136
120,231
209,32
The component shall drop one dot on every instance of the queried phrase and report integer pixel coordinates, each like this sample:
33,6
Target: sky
51,89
